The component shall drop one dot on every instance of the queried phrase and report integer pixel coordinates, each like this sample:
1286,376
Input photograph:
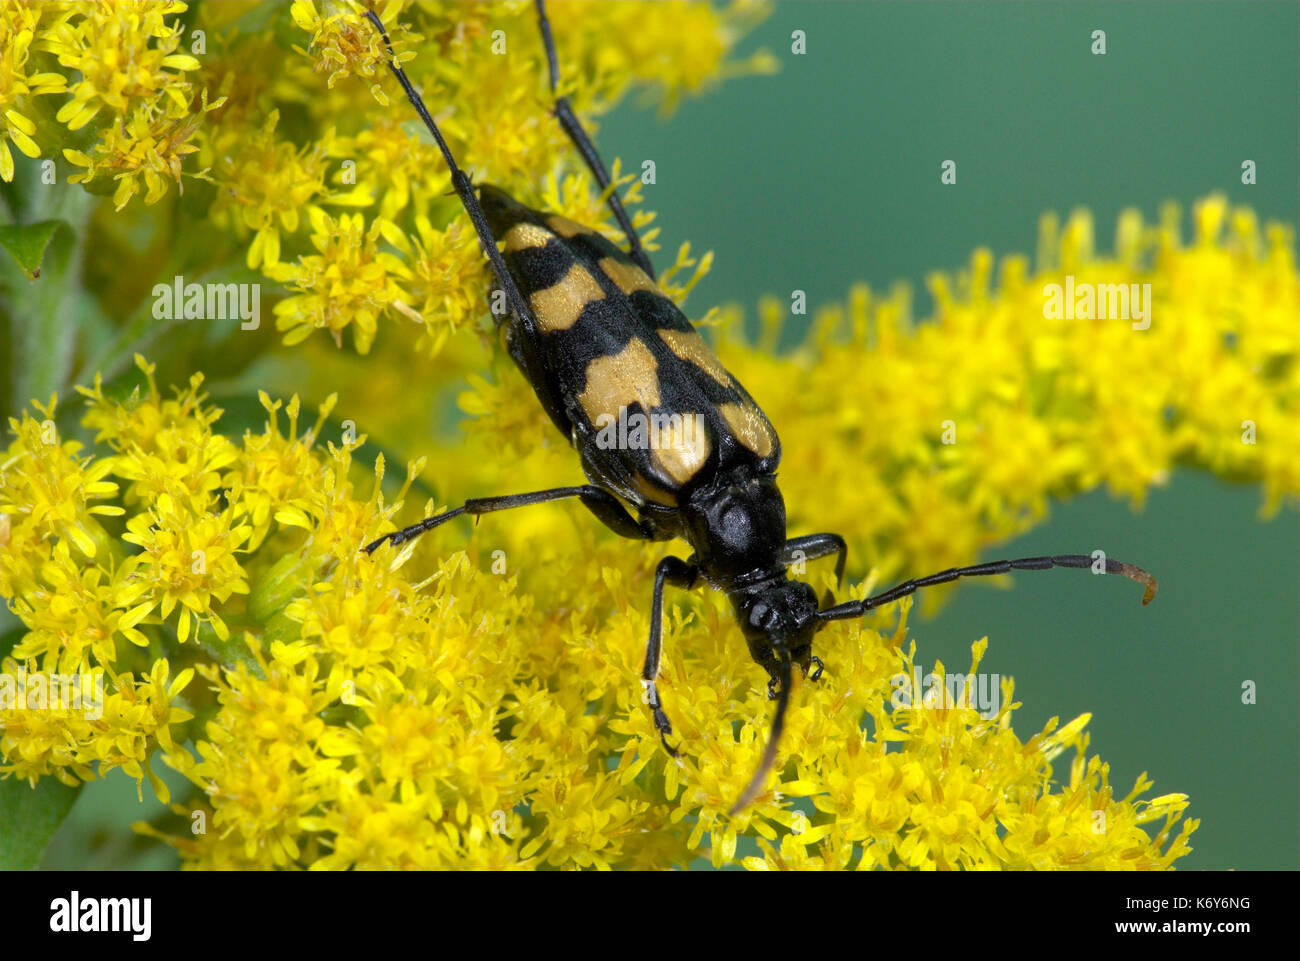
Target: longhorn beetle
596,338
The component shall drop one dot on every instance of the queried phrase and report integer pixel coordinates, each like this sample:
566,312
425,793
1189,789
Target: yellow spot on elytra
629,377
750,427
524,236
692,348
628,277
560,306
566,227
681,445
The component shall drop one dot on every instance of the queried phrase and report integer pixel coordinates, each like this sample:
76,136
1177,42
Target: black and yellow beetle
601,344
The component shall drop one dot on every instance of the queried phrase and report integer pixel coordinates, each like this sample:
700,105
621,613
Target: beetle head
780,614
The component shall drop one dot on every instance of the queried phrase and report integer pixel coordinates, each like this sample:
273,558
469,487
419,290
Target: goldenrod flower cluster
18,80
472,699
130,84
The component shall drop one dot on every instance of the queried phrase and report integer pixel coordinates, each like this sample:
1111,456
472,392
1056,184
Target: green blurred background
828,173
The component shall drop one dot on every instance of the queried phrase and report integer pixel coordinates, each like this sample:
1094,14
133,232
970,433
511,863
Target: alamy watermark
637,431
1098,302
75,914
181,301
38,691
948,691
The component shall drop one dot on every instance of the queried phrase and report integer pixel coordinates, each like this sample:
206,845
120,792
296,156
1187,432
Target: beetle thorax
738,531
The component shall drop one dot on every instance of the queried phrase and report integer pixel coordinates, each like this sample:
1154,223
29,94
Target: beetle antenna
459,181
851,609
773,739
572,126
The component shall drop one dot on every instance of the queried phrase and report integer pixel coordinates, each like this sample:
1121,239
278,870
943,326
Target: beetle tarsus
817,674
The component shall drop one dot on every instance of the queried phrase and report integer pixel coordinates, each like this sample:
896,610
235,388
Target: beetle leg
772,691
599,502
814,546
675,571
817,674
613,514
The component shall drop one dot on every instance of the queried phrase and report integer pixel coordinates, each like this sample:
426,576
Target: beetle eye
761,616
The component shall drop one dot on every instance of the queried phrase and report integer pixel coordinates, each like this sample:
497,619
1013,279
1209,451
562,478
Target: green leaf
27,243
29,816
45,317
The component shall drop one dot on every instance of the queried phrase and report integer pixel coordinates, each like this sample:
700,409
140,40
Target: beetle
600,344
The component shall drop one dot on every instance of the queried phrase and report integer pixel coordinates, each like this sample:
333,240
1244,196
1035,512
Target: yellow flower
259,760
602,53
18,23
45,495
447,270
406,173
187,560
273,471
121,731
345,44
1040,407
266,185
348,283
165,448
129,62
110,46
149,146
